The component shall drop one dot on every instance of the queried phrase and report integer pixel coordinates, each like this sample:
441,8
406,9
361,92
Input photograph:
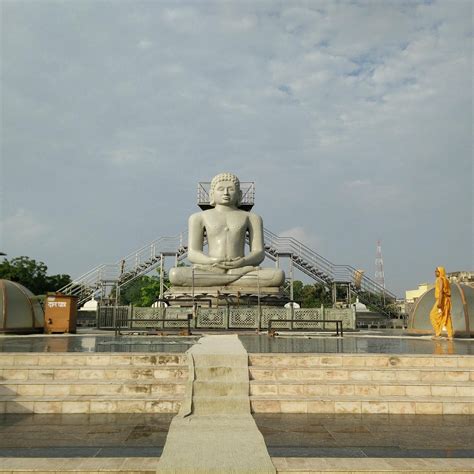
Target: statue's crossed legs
205,276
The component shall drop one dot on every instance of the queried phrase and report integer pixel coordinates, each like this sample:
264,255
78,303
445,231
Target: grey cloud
113,111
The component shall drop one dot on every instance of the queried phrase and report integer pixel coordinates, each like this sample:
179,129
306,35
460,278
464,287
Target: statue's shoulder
197,216
253,217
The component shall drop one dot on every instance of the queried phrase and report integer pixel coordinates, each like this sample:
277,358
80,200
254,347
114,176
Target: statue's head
225,189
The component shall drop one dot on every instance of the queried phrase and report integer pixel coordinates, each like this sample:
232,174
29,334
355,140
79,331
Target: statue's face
226,193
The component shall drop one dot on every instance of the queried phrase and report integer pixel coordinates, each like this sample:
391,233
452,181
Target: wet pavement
383,342
314,435
356,343
76,435
286,435
96,343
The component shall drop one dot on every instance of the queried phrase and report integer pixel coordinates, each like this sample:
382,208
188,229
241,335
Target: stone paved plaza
286,435
369,342
296,443
363,403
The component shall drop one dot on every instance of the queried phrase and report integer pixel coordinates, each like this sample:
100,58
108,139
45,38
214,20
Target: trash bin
60,313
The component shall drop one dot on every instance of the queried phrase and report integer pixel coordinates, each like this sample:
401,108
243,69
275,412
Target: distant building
455,277
87,314
461,277
90,305
365,318
412,295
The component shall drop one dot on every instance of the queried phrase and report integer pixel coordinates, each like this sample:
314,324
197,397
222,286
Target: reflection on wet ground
286,435
313,435
95,343
351,343
356,344
103,435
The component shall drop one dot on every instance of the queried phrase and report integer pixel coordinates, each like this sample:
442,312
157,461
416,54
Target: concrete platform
368,402
296,443
282,465
95,341
370,342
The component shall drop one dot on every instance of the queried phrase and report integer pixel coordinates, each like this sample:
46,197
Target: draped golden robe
440,314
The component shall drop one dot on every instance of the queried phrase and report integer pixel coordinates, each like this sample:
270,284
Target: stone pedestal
221,295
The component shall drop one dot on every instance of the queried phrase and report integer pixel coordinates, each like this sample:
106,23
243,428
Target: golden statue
440,314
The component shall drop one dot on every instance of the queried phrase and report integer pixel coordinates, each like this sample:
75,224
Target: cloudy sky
354,119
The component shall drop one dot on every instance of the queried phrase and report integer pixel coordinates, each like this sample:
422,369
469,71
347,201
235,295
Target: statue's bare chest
221,223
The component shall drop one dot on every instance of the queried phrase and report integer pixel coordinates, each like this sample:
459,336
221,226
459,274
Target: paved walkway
286,435
373,342
283,465
297,443
214,430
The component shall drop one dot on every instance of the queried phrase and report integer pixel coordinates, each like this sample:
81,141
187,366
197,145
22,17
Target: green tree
131,292
311,296
150,292
56,282
142,291
297,290
32,274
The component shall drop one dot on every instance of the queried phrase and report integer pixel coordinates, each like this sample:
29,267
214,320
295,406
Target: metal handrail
134,264
272,332
119,328
147,257
344,272
247,188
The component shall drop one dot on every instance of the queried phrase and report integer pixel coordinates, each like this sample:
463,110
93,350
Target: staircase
149,257
85,383
323,271
368,383
142,261
279,383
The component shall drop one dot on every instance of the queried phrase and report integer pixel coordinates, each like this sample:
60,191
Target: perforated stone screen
227,318
211,318
243,318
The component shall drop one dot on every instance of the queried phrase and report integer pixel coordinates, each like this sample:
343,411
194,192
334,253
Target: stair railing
147,257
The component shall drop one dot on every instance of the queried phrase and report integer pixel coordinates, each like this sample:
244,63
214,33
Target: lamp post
259,308
194,303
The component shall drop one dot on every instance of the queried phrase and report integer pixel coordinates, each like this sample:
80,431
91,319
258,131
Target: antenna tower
379,276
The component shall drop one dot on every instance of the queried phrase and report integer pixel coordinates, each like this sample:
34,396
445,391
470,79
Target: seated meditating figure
226,227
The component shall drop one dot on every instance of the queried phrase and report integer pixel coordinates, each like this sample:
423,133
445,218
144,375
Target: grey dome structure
462,311
19,310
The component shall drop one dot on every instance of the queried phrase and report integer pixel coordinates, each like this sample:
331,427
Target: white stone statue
225,227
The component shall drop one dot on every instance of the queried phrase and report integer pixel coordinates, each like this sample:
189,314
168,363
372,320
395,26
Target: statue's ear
239,199
211,198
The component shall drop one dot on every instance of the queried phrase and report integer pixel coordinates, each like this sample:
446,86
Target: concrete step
213,406
361,360
362,389
331,465
90,404
98,383
58,388
283,465
219,389
362,384
98,372
392,374
86,359
354,404
221,373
